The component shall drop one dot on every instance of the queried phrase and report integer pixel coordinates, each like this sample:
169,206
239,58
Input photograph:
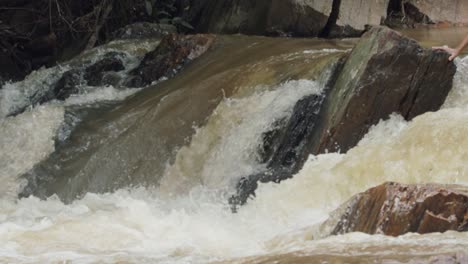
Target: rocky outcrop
395,209
170,56
385,73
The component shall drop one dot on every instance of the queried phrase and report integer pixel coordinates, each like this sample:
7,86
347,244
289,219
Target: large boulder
452,11
354,16
385,73
344,18
260,17
170,56
395,209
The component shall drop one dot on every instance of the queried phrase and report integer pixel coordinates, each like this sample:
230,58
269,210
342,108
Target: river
144,175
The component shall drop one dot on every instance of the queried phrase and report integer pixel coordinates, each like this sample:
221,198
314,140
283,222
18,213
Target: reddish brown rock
395,209
171,55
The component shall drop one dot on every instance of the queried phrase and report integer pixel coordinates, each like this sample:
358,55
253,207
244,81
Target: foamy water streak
138,226
225,149
25,140
16,96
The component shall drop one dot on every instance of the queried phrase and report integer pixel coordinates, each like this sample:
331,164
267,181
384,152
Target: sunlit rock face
452,11
353,16
395,209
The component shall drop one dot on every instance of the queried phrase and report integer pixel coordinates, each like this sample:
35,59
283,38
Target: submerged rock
170,56
385,73
67,85
97,74
395,209
94,74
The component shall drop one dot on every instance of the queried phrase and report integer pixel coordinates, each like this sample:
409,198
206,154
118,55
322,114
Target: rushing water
185,218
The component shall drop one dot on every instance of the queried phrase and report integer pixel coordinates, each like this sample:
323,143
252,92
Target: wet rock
261,17
395,209
101,73
385,73
144,30
286,148
67,85
133,82
112,62
171,55
110,78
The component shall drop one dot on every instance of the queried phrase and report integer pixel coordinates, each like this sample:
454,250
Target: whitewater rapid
141,225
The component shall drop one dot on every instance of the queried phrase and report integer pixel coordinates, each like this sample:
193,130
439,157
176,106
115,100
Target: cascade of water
143,225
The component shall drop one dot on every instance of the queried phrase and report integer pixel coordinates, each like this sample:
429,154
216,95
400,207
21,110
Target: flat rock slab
395,209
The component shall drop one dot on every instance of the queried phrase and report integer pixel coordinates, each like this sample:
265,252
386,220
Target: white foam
25,140
100,94
225,149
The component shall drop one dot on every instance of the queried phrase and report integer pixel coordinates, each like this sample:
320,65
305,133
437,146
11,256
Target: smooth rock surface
452,11
395,209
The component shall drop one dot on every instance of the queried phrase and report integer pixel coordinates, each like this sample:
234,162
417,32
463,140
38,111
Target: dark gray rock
170,56
67,85
112,62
